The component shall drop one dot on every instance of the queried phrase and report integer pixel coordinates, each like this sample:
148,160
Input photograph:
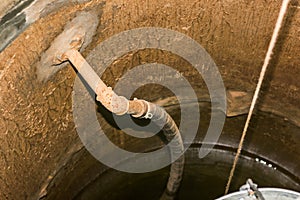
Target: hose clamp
148,114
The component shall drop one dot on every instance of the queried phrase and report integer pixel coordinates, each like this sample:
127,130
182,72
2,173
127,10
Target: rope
258,87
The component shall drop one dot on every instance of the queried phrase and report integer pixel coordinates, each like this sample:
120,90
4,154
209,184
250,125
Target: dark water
203,178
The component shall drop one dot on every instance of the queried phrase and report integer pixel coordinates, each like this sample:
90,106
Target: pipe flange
121,101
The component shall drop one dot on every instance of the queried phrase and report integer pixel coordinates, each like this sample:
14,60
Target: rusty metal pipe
138,109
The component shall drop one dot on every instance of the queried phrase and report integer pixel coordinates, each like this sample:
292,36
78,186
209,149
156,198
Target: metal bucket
268,194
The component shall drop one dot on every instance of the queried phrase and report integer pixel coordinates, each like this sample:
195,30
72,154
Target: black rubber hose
173,136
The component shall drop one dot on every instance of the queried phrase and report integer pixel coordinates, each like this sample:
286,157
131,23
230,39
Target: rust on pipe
108,98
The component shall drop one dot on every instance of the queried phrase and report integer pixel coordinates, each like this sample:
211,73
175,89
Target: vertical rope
258,87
